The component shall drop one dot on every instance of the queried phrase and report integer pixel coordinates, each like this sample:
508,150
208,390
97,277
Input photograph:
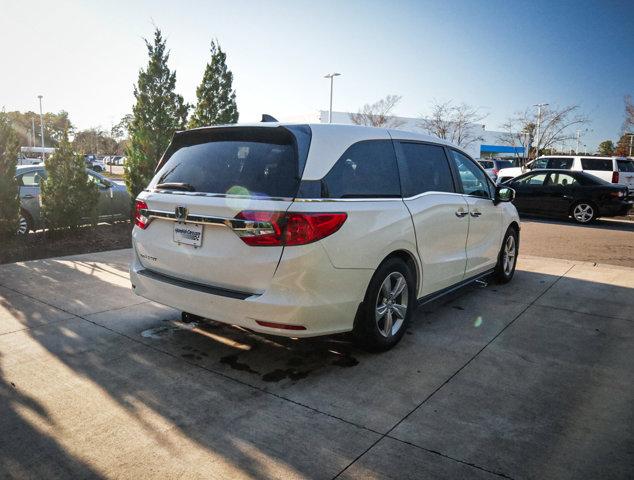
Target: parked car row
610,169
494,165
114,160
94,163
114,199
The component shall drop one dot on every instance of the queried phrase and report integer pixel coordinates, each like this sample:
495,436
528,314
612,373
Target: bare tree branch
378,114
556,125
458,124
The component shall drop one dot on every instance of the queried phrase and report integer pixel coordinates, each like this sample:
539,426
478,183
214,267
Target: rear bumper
306,291
617,208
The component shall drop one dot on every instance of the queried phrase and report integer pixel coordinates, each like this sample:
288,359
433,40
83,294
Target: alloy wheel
508,258
391,304
583,213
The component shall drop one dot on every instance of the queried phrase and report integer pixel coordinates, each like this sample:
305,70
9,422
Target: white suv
611,169
306,230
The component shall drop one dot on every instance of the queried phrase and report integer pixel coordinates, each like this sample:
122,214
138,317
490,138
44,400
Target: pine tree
9,192
69,198
158,112
216,97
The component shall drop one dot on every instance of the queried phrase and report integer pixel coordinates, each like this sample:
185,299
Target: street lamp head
40,97
330,75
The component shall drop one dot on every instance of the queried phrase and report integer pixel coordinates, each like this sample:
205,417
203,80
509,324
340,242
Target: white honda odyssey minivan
306,230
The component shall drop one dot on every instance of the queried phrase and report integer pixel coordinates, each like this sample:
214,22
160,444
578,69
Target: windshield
235,161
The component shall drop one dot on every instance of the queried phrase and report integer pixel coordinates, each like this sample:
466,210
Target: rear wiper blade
176,186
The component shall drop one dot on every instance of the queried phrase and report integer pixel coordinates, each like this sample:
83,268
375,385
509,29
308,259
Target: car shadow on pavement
88,394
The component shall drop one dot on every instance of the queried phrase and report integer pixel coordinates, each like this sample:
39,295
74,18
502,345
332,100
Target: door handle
461,212
27,196
476,213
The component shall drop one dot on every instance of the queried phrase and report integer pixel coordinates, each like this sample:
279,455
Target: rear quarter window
597,164
366,170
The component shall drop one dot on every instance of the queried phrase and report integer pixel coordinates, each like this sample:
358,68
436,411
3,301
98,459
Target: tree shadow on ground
86,399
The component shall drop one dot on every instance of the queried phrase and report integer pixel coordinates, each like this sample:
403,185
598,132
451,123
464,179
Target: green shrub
9,192
69,198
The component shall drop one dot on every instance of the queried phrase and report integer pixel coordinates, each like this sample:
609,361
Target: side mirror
504,194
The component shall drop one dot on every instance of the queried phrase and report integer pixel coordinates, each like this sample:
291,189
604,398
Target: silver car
114,199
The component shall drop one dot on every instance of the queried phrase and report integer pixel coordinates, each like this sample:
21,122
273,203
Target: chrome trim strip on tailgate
242,228
199,287
218,195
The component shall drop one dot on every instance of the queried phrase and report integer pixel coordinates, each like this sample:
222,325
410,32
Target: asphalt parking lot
606,240
528,380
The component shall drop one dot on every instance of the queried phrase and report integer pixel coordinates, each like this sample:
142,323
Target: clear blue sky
499,55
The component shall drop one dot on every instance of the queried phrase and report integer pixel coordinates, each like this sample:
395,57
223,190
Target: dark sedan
566,193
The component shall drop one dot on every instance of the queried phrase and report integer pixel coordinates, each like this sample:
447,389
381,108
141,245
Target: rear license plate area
188,234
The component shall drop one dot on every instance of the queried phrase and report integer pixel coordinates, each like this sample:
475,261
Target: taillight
615,177
495,171
140,218
286,228
619,194
263,229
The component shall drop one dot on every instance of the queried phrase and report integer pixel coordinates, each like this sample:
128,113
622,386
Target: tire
25,224
373,331
583,212
507,258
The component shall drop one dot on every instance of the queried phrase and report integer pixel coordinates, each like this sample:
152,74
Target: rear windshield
253,161
597,164
486,164
625,165
504,164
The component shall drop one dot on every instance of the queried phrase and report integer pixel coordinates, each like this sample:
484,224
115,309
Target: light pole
539,120
631,135
41,125
578,137
331,76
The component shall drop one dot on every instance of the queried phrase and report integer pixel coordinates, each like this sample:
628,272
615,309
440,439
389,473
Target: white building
490,145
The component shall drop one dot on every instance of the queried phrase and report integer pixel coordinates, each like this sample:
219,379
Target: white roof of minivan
330,140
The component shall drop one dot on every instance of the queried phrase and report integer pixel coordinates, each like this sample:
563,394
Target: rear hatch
205,179
625,167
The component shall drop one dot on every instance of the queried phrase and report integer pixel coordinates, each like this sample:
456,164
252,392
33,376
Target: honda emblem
180,213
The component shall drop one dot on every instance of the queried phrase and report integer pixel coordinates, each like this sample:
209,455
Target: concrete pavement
526,380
